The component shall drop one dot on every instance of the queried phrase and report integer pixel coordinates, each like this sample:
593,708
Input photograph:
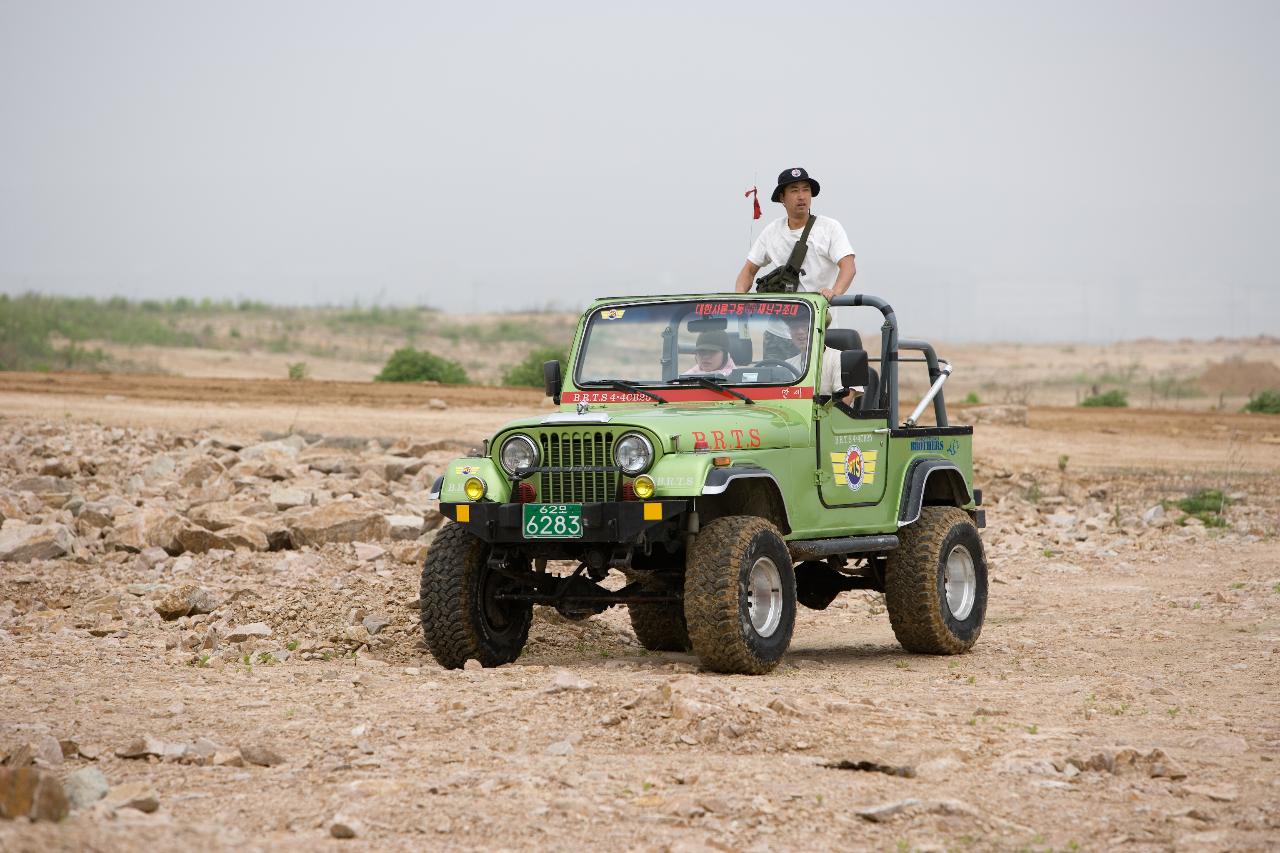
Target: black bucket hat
790,176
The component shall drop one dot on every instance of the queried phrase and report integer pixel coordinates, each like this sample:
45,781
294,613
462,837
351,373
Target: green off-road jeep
723,498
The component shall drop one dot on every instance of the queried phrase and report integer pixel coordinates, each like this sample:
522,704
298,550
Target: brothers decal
854,467
929,445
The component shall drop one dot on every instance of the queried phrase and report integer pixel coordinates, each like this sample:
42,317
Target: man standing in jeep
828,266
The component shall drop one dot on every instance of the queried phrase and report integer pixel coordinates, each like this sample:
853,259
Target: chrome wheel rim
960,580
764,596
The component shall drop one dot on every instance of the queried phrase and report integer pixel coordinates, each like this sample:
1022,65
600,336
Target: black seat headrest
844,339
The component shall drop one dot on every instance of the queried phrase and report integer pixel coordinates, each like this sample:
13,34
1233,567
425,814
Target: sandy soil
1104,634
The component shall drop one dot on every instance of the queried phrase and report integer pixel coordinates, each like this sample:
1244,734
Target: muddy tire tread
911,594
711,594
447,575
660,627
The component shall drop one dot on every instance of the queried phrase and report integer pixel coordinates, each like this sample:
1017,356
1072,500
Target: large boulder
339,521
245,534
147,527
21,542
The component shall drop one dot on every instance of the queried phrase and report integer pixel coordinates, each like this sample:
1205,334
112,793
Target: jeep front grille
578,467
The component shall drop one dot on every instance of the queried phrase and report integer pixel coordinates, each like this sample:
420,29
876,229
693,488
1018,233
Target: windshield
735,342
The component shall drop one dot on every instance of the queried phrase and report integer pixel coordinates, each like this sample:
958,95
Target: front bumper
616,522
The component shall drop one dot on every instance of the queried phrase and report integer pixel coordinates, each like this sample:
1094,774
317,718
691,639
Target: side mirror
551,379
854,369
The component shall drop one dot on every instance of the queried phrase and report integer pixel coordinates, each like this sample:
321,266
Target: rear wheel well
757,496
945,487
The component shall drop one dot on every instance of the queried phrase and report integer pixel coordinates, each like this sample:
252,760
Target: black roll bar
888,350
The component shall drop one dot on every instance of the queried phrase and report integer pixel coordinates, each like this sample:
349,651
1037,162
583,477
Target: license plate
552,521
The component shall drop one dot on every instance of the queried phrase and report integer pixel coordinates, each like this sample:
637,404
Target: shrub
298,370
1206,505
529,371
1113,399
411,365
972,397
1266,402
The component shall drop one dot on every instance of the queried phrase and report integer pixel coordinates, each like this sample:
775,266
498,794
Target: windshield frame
594,316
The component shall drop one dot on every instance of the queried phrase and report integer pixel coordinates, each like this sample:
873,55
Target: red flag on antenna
755,202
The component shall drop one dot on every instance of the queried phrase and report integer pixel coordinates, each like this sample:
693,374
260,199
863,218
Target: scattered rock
340,521
142,747
406,527
187,599
375,624
85,787
1220,745
133,795
887,811
367,553
31,793
252,631
560,747
263,756
147,527
1153,514
1155,764
290,498
345,827
567,681
1217,793
22,543
47,752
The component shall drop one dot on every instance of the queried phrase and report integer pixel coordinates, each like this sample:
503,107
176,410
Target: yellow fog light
474,488
644,486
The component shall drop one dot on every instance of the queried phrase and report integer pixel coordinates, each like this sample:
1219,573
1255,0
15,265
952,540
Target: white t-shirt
828,370
827,245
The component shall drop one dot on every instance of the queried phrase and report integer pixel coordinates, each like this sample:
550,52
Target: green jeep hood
724,426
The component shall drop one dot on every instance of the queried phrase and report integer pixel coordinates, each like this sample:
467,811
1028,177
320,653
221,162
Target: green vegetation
972,397
1266,402
1114,399
409,322
1206,505
410,365
298,370
28,322
529,371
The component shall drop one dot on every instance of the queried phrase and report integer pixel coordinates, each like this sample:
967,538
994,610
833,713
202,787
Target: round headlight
518,452
644,487
474,488
633,453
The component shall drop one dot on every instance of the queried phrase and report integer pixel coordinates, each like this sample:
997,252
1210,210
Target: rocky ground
208,638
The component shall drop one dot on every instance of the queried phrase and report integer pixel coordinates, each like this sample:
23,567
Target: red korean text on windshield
747,309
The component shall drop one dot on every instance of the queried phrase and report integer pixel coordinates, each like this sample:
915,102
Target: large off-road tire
461,619
660,627
936,583
739,595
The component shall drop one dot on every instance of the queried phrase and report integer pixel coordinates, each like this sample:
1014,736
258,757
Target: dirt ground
1125,692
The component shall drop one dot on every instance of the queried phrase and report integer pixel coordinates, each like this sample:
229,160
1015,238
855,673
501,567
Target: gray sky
1004,170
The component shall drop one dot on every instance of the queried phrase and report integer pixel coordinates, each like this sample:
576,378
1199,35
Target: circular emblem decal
853,468
795,173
